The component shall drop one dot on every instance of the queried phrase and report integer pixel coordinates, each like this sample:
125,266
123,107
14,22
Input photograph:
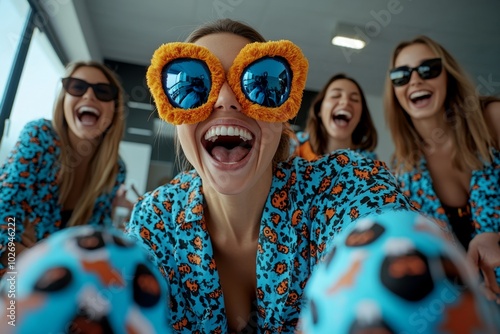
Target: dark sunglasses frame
428,69
102,91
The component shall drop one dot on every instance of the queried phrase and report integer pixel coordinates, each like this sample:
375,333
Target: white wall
136,157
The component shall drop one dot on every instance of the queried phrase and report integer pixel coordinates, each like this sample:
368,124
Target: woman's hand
484,252
28,240
121,199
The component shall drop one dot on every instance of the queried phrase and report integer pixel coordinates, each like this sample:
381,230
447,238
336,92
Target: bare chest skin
78,185
236,264
451,185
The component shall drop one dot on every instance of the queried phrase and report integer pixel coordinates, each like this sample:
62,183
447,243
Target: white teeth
214,132
345,113
420,93
88,109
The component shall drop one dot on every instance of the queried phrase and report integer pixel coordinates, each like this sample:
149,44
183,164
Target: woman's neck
436,134
81,151
335,144
237,217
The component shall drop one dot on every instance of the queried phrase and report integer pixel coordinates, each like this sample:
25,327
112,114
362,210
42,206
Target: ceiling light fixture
345,35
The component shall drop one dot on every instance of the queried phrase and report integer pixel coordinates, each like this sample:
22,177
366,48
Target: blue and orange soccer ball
395,273
84,280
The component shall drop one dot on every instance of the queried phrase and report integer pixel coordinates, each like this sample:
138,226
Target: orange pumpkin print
282,287
283,249
181,324
198,243
192,285
280,268
280,200
325,183
167,205
145,233
337,189
354,213
270,234
296,217
194,258
362,174
342,160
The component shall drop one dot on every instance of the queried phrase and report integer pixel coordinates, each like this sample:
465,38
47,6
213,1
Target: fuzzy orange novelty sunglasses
268,80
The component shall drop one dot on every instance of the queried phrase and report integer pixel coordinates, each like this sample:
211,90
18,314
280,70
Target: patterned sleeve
485,197
369,186
369,154
18,176
352,187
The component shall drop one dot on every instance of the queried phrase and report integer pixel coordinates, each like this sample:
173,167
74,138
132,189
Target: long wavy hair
103,165
364,135
243,30
463,113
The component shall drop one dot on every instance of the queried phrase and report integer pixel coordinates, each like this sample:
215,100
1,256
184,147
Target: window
13,16
38,81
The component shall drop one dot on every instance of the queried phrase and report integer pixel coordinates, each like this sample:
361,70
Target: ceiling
130,30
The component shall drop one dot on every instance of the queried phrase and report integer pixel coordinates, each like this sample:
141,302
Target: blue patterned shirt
29,190
301,146
484,195
308,204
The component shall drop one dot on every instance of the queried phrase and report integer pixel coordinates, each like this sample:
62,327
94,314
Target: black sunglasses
78,87
429,69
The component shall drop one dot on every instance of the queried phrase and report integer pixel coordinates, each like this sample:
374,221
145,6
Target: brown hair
243,30
463,112
364,135
103,166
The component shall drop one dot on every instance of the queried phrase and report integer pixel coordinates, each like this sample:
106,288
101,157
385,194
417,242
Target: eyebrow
340,89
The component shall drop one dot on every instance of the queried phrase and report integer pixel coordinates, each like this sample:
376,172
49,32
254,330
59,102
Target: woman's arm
492,118
18,176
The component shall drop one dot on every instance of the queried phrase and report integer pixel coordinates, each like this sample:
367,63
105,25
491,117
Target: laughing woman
65,172
338,118
447,157
238,234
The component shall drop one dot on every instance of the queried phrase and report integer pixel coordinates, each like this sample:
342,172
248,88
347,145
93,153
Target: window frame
36,18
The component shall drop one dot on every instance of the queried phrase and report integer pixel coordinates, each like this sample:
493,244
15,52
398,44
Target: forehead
90,74
413,55
345,85
224,46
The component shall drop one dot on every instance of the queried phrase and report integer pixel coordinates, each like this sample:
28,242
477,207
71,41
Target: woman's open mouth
420,98
228,144
88,116
342,117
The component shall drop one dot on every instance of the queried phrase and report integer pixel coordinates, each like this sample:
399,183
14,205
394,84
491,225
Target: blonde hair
243,30
103,165
364,135
462,111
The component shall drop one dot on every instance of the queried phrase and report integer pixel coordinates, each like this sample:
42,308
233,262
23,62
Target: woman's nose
89,93
344,100
415,77
227,99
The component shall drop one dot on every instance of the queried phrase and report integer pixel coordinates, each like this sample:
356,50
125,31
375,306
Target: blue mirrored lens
267,81
186,82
